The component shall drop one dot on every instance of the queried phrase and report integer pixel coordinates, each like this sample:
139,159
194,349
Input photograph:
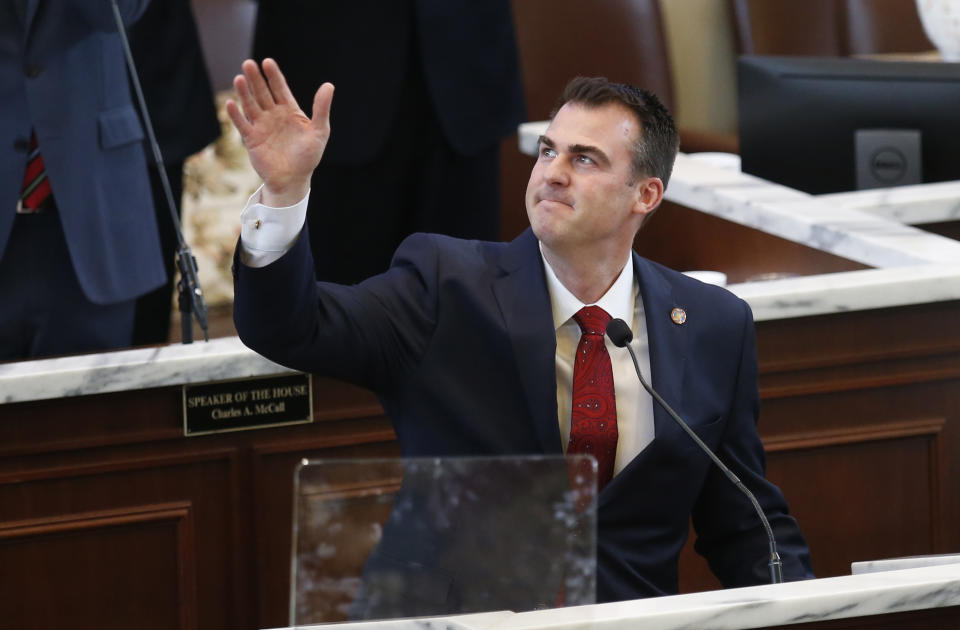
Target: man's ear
649,194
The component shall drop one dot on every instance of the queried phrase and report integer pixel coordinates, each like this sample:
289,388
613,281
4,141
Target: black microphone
621,335
190,295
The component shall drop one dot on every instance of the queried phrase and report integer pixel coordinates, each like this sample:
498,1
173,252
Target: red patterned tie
593,424
36,187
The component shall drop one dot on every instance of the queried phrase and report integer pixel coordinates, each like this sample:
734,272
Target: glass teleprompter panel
391,538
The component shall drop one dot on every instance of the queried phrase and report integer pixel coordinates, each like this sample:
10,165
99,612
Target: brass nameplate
251,403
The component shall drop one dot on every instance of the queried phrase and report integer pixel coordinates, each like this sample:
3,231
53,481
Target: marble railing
127,370
731,609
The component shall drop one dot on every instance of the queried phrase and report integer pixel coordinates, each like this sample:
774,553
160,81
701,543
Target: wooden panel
866,373
129,568
914,620
865,499
139,416
862,337
98,420
78,488
950,229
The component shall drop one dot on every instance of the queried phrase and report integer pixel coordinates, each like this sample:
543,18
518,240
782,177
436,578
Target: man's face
581,192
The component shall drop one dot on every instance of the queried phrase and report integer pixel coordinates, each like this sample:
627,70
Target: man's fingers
322,101
258,85
278,83
239,120
250,108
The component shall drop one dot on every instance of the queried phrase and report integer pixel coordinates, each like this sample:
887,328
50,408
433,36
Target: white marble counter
125,370
730,609
913,205
851,233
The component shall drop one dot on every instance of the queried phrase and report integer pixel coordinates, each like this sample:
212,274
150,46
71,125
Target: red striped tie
36,187
593,423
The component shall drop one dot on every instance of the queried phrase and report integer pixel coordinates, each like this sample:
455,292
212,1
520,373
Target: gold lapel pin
678,316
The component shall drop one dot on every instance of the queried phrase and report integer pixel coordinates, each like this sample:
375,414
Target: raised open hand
284,145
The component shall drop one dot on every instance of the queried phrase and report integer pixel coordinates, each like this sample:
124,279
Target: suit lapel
521,294
668,341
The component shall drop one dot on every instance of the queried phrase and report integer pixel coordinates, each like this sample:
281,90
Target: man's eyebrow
544,140
592,151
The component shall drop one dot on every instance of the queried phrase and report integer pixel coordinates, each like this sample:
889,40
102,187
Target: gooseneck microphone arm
190,296
621,335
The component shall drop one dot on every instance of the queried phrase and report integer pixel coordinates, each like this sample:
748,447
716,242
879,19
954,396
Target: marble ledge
848,232
228,358
850,291
125,370
913,205
731,609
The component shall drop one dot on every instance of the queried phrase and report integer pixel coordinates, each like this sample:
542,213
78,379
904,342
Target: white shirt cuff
267,233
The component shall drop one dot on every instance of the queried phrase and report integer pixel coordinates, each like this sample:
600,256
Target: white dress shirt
634,405
267,233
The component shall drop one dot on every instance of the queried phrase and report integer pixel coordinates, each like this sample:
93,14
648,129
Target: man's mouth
557,199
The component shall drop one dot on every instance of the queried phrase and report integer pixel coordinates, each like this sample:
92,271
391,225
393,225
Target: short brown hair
657,142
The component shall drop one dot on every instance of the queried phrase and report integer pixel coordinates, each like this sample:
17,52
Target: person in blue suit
469,343
71,268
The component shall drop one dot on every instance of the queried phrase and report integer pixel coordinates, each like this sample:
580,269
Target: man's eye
584,159
548,152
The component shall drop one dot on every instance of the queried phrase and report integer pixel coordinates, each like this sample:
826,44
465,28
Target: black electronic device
835,124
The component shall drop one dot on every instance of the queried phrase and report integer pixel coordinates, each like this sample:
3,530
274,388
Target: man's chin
547,232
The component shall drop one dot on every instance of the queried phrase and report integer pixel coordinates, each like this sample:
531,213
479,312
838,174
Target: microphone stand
621,335
190,295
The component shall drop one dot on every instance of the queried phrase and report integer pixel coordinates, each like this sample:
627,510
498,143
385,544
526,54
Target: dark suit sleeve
729,532
364,334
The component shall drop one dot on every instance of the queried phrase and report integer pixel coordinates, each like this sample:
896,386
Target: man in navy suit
71,262
471,345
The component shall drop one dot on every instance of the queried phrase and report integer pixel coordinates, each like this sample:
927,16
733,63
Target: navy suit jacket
457,339
62,74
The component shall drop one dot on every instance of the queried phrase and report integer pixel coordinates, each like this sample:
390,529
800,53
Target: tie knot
593,320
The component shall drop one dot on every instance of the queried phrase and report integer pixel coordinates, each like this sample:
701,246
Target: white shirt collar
618,301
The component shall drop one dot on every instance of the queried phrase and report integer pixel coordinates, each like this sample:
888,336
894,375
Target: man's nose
557,171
